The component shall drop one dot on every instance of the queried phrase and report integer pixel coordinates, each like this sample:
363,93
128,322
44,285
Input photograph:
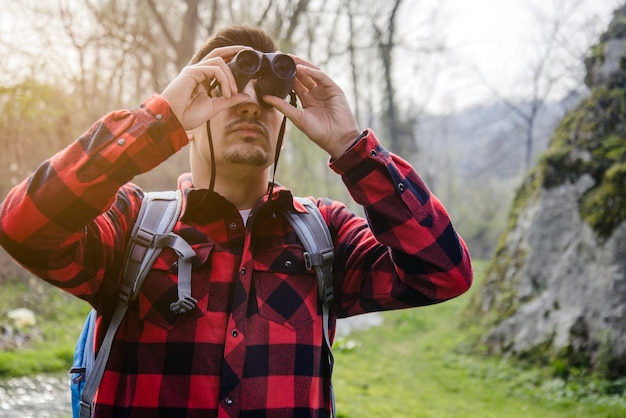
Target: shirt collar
201,205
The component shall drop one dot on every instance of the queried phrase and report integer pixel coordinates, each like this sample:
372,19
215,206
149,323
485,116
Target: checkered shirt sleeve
50,223
422,260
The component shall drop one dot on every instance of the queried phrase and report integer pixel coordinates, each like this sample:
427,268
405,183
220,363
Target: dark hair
236,35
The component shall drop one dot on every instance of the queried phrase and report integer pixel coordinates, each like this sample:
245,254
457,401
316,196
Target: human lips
248,128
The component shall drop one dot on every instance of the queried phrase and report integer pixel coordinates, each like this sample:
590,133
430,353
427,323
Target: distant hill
475,159
486,141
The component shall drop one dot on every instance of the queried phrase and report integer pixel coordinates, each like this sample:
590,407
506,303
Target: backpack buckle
318,259
308,263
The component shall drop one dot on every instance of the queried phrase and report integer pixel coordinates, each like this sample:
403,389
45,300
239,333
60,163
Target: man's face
247,133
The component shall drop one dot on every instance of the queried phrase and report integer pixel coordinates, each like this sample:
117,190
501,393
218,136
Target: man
252,345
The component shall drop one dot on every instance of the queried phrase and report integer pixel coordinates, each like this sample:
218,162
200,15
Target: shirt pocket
285,291
160,289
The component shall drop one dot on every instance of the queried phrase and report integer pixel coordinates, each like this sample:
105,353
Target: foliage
604,207
48,345
596,56
34,120
617,27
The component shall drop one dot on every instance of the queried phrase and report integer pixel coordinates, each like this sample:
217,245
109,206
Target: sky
498,39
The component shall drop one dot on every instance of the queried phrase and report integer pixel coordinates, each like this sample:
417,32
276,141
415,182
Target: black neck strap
279,145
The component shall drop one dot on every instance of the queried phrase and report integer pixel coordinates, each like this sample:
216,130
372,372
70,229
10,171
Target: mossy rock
592,140
604,207
617,27
541,282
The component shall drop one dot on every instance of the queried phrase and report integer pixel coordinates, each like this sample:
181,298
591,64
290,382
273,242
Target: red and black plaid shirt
253,345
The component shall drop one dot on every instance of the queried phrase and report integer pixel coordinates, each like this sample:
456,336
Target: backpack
151,233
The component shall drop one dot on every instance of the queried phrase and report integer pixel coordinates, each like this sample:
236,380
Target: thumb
282,106
222,103
291,112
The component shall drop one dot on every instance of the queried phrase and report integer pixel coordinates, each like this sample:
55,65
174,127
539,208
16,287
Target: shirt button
229,401
373,153
234,333
232,225
401,187
243,271
159,116
288,263
121,142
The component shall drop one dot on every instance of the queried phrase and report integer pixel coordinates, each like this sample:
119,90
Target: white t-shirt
244,215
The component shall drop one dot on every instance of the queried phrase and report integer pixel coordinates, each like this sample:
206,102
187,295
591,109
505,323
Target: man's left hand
326,117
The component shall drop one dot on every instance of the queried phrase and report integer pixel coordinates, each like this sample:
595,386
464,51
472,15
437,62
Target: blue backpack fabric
83,361
152,232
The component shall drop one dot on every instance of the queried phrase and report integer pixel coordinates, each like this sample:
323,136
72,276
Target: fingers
227,53
291,112
212,71
302,61
215,69
304,80
223,103
310,79
308,73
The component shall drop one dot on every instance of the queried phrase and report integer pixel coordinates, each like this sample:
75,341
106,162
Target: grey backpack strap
152,231
316,239
314,235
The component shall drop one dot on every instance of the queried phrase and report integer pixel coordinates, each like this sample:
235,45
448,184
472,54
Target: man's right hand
188,94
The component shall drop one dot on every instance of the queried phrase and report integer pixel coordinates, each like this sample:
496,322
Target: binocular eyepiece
273,71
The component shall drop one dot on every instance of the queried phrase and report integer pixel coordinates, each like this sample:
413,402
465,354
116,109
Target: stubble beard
246,157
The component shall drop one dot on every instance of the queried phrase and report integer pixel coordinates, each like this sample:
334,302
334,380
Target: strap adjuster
144,236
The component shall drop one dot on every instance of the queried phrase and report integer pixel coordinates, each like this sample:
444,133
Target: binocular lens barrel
248,62
283,66
275,72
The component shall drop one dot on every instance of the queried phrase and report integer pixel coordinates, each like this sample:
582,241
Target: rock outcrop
556,289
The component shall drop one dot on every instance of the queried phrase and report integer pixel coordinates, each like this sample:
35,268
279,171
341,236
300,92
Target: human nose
251,107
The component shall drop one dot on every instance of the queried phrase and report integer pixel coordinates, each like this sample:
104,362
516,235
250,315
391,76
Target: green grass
415,366
50,342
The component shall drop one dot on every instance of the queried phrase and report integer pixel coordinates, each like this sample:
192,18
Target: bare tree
557,68
378,36
183,43
128,50
386,41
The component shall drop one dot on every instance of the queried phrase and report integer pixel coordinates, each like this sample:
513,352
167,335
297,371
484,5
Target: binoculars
273,71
